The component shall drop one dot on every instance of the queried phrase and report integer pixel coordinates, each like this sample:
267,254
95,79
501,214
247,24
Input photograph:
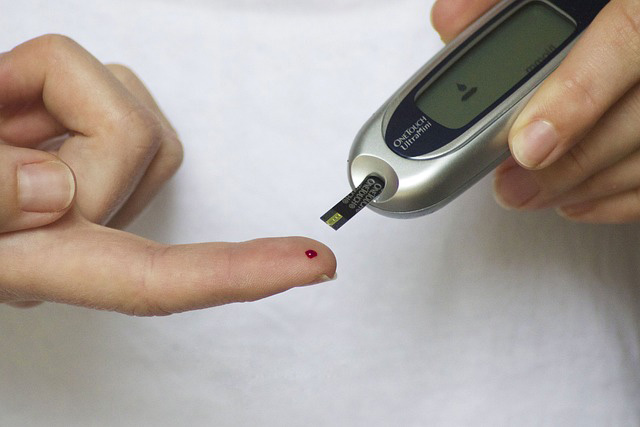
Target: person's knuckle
142,128
173,154
581,89
579,161
120,70
143,298
569,171
124,74
56,44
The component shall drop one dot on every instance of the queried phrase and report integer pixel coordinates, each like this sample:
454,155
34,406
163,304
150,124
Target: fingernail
45,187
515,187
508,164
576,210
533,144
323,279
24,304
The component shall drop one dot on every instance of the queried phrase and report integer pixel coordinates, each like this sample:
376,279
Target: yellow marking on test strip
337,217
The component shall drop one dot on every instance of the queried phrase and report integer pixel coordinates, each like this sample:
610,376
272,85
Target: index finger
98,267
78,92
451,17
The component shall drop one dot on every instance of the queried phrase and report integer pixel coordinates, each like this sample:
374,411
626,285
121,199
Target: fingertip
499,172
276,265
515,188
497,196
509,163
450,17
320,263
444,15
303,261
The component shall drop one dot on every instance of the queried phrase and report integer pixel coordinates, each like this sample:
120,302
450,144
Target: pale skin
581,156
576,145
119,150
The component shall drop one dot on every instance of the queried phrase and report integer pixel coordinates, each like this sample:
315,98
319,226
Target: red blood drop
311,254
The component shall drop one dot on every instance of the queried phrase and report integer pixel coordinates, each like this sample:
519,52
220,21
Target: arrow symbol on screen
469,94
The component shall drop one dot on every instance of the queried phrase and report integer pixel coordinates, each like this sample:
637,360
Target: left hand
576,145
121,149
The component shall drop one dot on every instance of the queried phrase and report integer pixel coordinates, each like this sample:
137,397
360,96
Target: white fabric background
472,316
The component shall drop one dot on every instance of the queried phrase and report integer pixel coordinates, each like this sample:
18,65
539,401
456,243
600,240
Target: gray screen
495,64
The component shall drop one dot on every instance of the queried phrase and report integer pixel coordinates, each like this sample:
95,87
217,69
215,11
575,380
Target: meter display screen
495,64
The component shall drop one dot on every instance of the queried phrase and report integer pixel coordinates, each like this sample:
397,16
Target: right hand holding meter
575,147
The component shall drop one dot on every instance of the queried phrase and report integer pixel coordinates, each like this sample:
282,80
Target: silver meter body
447,127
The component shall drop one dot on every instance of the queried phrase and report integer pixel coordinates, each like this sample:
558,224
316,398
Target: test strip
348,207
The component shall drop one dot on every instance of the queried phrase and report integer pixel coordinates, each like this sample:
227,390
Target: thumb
599,70
36,188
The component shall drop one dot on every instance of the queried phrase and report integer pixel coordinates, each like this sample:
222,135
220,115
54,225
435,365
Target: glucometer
447,127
